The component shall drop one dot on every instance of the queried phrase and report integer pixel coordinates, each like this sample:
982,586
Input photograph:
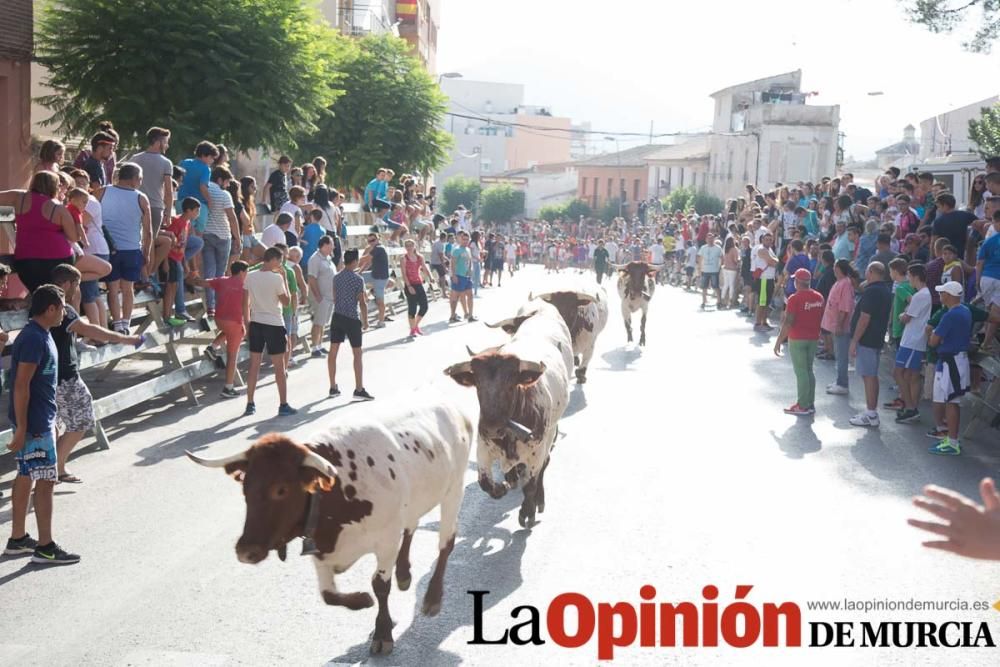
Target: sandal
69,478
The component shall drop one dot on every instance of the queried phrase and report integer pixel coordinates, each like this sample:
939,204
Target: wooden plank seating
985,409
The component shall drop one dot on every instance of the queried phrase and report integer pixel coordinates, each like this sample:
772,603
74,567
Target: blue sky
621,65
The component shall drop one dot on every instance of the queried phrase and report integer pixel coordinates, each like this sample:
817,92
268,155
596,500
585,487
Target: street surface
677,469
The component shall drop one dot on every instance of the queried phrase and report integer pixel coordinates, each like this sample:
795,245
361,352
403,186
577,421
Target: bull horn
469,350
217,463
532,366
497,325
531,296
314,460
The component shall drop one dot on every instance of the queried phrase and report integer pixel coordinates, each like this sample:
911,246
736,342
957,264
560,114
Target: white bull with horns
636,284
523,389
359,487
585,311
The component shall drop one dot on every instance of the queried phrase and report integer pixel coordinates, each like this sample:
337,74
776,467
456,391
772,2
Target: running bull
355,489
523,389
585,312
636,284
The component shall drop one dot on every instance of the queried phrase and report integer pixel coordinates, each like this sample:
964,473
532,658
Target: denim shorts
89,289
866,364
378,284
37,459
126,265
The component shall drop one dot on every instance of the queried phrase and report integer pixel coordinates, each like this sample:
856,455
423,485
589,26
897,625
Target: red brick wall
16,29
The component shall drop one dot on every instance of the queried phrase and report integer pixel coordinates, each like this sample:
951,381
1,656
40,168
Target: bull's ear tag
309,547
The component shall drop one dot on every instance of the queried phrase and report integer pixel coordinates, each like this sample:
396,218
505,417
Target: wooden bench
985,409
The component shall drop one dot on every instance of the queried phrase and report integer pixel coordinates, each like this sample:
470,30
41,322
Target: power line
538,128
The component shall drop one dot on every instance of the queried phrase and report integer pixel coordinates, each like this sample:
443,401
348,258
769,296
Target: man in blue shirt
951,373
461,278
988,270
197,176
32,414
377,188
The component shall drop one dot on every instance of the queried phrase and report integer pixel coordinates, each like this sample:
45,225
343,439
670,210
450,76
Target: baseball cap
803,274
951,287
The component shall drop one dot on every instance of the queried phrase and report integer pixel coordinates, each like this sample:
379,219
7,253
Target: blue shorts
291,323
37,459
89,289
126,265
866,365
378,284
909,359
202,220
461,284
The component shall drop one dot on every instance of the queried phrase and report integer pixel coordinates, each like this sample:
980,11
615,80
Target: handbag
757,273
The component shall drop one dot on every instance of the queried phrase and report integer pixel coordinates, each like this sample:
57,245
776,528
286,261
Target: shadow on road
577,401
620,359
799,439
486,557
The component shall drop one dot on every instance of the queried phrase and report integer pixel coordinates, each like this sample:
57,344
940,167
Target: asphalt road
677,469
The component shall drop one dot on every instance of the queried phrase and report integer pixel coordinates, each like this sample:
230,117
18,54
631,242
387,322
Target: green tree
389,115
459,190
944,16
576,208
985,132
501,203
679,199
248,73
571,210
610,210
703,202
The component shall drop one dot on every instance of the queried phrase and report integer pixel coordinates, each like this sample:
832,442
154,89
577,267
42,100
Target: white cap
951,287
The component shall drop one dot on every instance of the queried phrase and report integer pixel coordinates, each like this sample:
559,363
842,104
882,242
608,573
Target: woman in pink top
837,320
413,286
44,230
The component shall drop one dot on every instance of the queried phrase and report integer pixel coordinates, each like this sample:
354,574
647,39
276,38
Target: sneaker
864,419
420,332
454,318
211,313
25,545
799,411
937,433
836,389
363,395
285,410
317,354
334,391
187,317
176,321
211,353
389,319
251,410
946,447
380,325
52,554
896,404
229,392
472,318
908,416
292,363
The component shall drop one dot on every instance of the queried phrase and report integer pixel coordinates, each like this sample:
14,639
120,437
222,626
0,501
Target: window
486,164
746,166
610,185
583,187
597,187
635,190
621,190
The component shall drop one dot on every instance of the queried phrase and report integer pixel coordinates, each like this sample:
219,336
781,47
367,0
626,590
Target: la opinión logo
572,620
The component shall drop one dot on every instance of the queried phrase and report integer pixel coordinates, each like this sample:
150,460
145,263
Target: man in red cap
800,327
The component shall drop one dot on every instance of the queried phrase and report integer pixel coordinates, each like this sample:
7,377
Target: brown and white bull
523,389
585,312
355,489
636,284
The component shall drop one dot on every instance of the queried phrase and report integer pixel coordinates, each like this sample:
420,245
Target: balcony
792,114
361,20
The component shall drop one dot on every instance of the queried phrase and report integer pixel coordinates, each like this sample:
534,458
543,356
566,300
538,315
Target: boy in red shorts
229,319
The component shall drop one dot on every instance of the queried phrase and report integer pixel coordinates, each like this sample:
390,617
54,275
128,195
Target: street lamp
449,75
618,154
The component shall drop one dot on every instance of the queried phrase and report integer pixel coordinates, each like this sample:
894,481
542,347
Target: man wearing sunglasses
377,259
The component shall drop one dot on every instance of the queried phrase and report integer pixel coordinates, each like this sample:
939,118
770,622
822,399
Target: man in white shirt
321,299
275,233
763,259
912,345
265,293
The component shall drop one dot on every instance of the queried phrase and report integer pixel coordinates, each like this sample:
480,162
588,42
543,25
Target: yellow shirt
668,243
